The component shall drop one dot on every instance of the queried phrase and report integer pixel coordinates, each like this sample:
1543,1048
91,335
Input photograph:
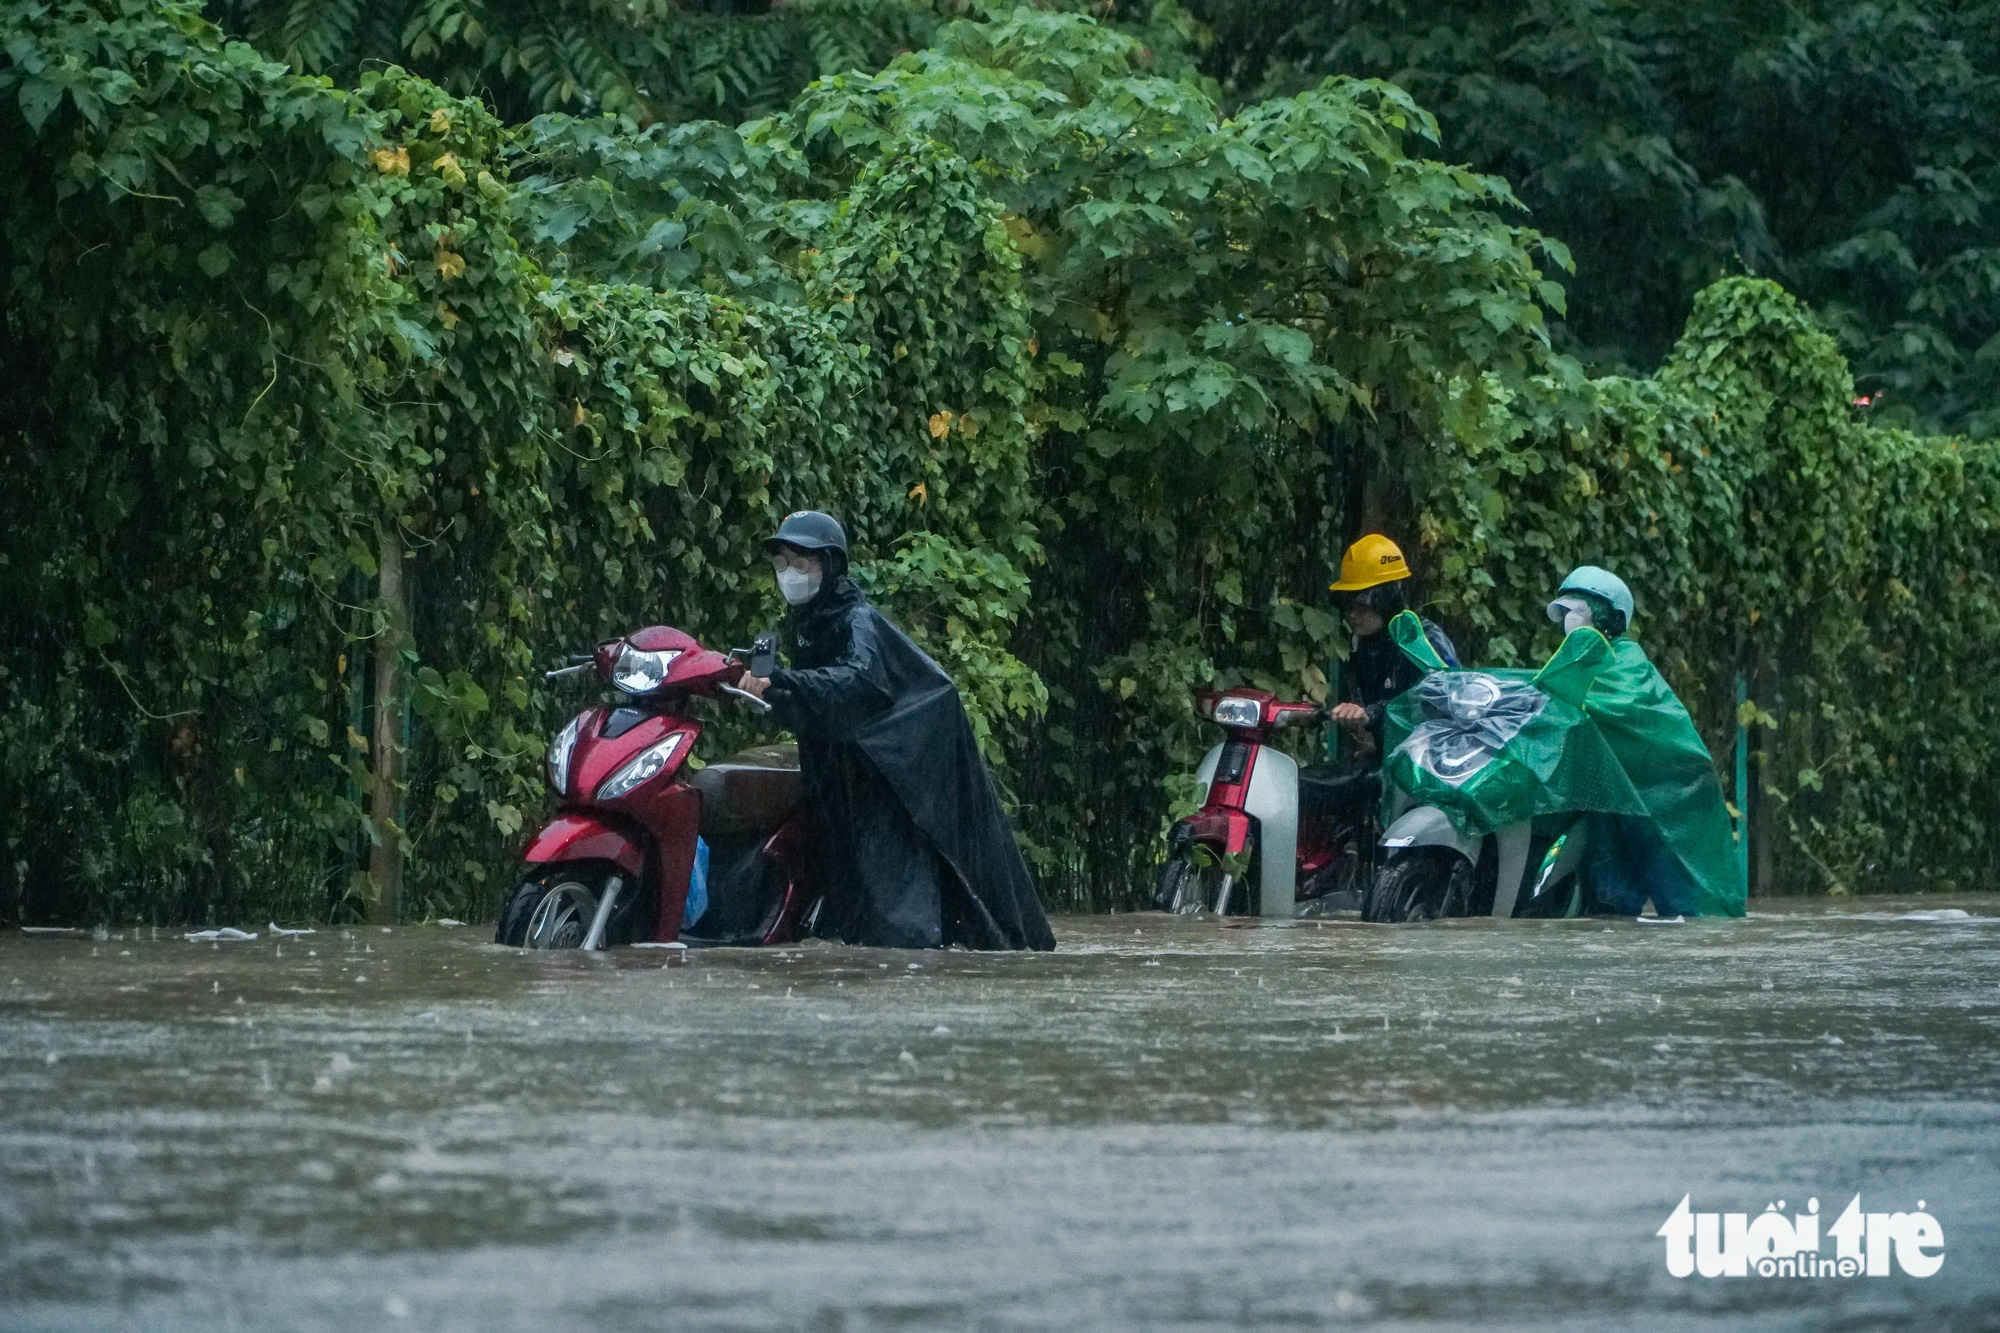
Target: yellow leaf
940,423
920,493
440,120
1127,688
450,264
1034,347
579,412
902,350
1026,239
447,316
391,161
447,167
969,425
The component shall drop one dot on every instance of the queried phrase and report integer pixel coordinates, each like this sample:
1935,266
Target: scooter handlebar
744,694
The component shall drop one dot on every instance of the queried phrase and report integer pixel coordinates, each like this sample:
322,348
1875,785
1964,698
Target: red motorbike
614,865
1248,850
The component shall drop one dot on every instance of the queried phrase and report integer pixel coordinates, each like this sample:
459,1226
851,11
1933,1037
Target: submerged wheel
1191,882
555,910
1420,884
1187,888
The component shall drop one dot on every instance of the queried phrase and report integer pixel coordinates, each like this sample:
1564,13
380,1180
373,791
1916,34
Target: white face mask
1572,613
798,588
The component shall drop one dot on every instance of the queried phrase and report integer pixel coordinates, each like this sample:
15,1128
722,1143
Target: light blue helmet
1601,583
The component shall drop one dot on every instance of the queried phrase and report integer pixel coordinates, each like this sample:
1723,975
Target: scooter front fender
583,837
1219,827
1427,826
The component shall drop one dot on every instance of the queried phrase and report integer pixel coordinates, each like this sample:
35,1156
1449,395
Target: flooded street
1165,1125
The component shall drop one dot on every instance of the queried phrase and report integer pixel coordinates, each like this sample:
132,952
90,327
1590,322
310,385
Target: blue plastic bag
697,898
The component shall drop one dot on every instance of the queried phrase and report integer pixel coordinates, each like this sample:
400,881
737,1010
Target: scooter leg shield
1273,801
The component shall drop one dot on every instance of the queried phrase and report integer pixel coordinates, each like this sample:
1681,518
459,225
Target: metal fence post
1742,781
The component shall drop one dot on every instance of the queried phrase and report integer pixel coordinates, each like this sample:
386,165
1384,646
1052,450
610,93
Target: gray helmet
809,530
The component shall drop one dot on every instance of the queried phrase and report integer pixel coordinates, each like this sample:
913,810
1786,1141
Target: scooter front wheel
1196,882
1187,888
557,910
1420,884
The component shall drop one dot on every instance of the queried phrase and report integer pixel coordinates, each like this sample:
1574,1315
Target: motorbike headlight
1233,710
640,672
565,741
649,762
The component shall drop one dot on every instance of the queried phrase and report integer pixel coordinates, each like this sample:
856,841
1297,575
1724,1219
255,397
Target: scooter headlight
641,672
1233,710
559,752
650,761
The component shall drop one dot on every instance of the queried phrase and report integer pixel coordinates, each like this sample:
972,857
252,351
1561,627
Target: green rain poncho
1597,731
1656,743
1495,746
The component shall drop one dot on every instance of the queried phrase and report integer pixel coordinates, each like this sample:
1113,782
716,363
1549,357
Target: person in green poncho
1681,853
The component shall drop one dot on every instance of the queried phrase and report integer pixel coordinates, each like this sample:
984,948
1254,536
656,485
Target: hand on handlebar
1351,716
756,685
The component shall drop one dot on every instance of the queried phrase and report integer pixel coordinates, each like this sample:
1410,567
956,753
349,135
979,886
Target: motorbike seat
754,791
1338,788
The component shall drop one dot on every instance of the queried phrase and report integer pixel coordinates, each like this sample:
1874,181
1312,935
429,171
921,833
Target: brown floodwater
1167,1124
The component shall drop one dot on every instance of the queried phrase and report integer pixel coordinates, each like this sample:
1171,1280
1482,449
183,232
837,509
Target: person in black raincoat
1372,574
915,850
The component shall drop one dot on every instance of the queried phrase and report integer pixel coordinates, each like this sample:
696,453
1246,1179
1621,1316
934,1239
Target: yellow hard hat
1369,562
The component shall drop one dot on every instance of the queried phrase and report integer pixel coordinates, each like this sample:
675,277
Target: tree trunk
385,862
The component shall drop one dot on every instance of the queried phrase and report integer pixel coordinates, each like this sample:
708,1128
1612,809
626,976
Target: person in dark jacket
915,849
1372,574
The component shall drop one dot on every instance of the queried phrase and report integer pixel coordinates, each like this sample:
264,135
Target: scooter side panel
1513,866
674,816
1273,801
581,837
795,849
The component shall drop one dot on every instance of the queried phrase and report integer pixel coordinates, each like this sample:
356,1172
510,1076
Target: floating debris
226,933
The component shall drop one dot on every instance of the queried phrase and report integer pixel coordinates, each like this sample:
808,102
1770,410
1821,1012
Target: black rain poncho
915,850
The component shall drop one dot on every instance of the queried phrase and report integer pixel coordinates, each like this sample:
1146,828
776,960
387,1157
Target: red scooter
1247,850
613,866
